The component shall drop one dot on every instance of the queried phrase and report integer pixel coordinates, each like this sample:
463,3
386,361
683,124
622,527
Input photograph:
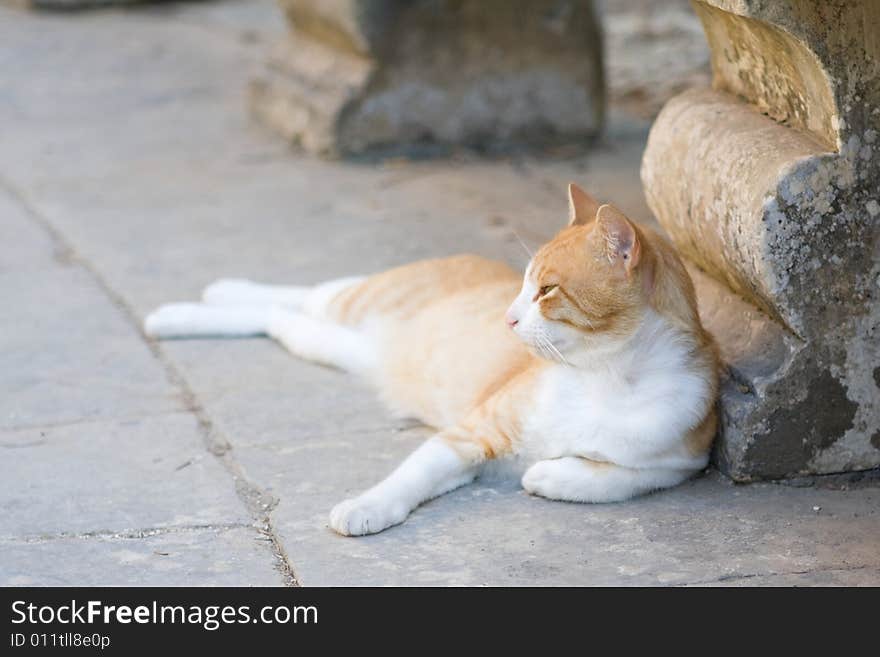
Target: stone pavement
131,175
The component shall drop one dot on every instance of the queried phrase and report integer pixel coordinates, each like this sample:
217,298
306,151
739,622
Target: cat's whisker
543,344
559,353
539,344
548,346
544,349
523,244
550,349
556,351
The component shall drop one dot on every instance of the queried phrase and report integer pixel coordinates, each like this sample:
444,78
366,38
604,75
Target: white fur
575,479
233,307
433,469
630,410
633,407
321,295
184,320
239,291
627,404
322,341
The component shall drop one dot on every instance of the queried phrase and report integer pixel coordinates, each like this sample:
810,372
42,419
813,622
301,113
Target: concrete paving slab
31,247
258,394
68,354
223,556
493,533
113,476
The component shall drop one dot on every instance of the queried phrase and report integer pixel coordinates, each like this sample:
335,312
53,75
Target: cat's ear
621,239
581,206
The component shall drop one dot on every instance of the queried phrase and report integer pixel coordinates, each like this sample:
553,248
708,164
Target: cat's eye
545,290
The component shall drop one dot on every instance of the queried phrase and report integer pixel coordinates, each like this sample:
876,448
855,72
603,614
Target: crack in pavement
31,443
258,502
126,533
115,419
807,571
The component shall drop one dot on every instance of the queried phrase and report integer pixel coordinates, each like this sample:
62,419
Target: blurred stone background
653,51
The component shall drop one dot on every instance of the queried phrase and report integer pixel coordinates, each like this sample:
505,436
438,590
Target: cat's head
586,291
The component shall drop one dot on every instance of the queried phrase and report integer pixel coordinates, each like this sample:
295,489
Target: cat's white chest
573,414
631,420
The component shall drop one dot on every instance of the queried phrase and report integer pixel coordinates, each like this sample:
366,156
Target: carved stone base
366,74
769,182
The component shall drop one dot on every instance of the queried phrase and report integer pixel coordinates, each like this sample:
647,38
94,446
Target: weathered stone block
357,75
769,182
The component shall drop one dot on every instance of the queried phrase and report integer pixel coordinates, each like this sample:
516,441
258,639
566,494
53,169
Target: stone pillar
769,182
360,75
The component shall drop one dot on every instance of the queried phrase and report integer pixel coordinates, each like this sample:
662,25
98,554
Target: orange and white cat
599,372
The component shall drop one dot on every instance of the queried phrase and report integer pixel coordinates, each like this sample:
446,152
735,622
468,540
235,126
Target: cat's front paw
367,514
231,291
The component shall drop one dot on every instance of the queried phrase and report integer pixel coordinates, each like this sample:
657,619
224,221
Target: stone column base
364,75
770,183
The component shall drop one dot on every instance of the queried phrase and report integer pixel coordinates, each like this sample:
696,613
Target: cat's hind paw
366,514
172,320
199,320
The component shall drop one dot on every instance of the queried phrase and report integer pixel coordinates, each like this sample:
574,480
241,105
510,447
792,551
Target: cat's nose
510,319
